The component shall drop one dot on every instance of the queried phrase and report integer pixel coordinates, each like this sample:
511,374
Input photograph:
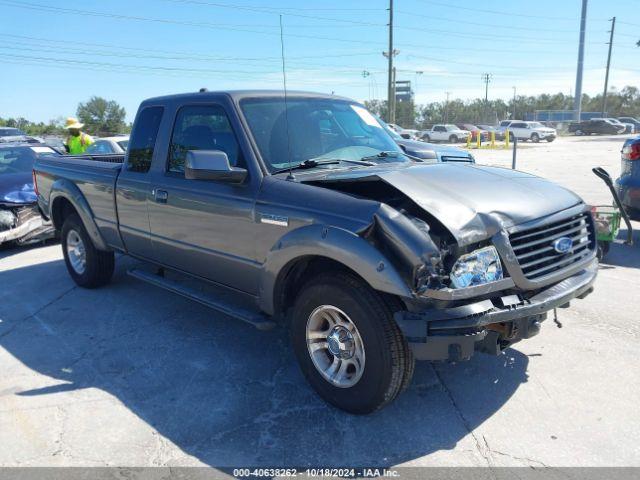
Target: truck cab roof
237,95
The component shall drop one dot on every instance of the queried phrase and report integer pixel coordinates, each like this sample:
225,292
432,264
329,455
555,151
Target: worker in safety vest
77,141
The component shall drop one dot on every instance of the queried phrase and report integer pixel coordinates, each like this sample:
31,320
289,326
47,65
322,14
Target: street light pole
514,102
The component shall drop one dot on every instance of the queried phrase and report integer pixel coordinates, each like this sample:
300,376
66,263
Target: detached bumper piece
491,325
23,224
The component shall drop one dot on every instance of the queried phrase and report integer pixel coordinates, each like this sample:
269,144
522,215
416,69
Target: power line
273,11
496,12
42,44
240,28
184,54
481,24
75,12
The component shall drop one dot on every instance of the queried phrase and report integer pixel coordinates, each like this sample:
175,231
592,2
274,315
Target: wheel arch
66,199
316,248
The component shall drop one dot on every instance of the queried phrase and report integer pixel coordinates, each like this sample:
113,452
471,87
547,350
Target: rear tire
88,266
372,362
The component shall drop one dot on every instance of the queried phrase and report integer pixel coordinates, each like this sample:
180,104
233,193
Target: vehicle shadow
621,255
224,392
10,249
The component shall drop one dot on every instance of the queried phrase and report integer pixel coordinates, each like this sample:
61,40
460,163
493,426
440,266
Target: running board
258,320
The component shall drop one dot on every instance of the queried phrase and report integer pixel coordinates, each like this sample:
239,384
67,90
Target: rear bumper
456,333
628,188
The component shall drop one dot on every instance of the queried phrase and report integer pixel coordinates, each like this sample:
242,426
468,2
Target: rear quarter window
143,139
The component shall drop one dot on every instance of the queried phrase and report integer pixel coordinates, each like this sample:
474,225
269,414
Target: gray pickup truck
303,210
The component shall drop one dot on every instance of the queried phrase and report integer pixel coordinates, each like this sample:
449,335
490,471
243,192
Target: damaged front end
481,278
23,224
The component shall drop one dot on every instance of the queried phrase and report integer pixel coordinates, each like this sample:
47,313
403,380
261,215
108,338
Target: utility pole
606,77
393,97
415,87
514,103
446,109
486,78
391,87
366,74
577,101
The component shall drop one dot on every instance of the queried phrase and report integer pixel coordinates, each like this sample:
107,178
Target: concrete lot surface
130,375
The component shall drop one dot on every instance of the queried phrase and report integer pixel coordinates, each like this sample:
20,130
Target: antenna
286,107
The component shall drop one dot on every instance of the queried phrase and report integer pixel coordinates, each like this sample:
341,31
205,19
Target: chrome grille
537,256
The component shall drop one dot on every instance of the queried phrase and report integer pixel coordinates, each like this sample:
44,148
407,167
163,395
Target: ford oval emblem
562,245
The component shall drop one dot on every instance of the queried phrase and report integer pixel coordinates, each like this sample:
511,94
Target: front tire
348,345
88,266
453,139
535,138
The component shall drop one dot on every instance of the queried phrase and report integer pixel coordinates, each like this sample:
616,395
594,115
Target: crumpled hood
17,188
472,201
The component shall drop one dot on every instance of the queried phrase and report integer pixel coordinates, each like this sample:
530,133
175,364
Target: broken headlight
476,268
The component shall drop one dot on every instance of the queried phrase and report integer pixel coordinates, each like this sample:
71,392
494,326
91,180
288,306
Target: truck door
205,227
133,191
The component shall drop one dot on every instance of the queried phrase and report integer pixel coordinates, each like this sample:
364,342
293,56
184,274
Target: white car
445,133
109,145
534,131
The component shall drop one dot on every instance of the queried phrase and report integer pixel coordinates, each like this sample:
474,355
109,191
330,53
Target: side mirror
406,136
212,165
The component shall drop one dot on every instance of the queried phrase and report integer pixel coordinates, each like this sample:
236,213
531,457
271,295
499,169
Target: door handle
160,196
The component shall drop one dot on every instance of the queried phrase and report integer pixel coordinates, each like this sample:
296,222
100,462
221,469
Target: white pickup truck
445,133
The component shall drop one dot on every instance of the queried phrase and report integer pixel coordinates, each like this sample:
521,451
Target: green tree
101,116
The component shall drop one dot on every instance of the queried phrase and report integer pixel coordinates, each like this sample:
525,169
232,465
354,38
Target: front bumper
29,226
456,333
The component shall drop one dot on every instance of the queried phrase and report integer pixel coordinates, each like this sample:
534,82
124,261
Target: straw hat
73,123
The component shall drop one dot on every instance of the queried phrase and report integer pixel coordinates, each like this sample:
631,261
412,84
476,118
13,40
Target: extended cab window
202,127
143,139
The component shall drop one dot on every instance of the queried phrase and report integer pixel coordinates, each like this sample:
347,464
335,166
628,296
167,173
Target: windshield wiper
381,155
312,163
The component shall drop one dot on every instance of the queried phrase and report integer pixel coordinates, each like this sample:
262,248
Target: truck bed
94,175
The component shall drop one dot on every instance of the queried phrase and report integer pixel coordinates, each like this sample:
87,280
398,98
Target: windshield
392,133
451,128
11,132
16,160
536,125
318,128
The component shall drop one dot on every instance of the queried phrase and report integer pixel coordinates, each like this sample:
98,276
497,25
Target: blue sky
58,53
